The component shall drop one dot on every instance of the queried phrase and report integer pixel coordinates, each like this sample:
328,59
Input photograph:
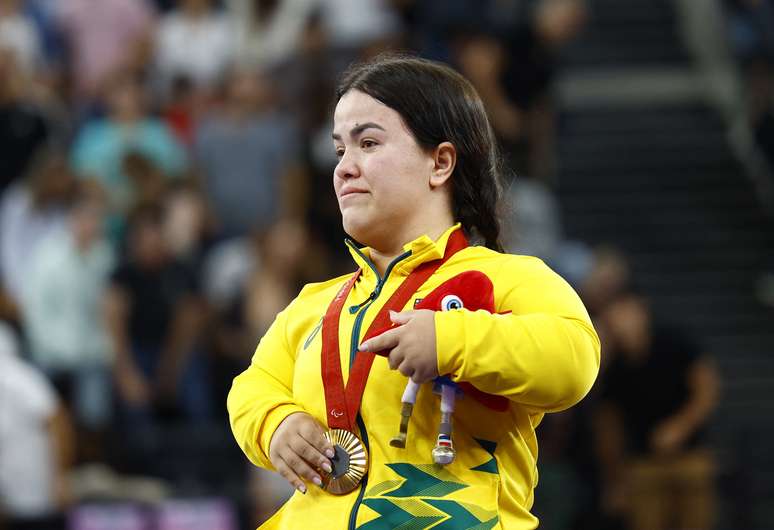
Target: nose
347,168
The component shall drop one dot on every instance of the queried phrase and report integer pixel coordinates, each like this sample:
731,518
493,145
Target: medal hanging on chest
342,403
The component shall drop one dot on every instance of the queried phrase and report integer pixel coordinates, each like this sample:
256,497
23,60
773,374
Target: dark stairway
629,33
659,181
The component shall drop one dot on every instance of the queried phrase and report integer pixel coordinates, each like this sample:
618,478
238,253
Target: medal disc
349,464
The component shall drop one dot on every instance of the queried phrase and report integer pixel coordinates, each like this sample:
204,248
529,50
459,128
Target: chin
357,228
352,228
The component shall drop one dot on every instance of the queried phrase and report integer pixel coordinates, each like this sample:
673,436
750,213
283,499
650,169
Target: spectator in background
657,394
187,223
23,126
35,444
101,148
195,41
358,27
279,277
44,14
154,317
182,108
536,225
246,280
147,180
608,278
534,228
104,38
19,34
269,32
63,291
248,155
514,73
435,26
30,211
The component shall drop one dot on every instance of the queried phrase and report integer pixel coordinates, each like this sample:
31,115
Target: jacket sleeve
544,354
262,396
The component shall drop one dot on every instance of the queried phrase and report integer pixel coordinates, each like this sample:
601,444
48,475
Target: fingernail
327,467
302,488
393,313
317,481
330,453
363,346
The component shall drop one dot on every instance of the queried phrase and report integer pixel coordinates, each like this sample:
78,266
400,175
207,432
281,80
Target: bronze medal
350,462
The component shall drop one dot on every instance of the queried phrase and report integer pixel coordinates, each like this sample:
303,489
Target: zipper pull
355,308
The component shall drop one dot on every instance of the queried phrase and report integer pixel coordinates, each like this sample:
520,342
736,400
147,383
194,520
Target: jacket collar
421,250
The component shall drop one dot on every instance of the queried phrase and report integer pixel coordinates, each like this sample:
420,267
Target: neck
382,260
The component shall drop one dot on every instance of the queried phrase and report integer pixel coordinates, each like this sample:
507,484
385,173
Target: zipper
361,309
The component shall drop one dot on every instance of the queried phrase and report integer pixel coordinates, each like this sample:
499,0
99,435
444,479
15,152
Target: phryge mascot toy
471,291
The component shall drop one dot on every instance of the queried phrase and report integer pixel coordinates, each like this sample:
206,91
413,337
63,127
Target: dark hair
439,105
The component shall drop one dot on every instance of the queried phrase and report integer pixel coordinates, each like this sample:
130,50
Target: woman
417,172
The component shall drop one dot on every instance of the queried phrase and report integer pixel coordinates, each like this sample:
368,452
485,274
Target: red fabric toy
471,291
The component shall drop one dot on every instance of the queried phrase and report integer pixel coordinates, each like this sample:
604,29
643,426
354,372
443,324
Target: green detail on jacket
421,483
478,512
313,334
459,517
417,503
380,488
393,517
490,466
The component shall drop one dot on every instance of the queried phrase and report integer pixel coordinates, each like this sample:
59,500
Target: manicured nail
330,453
317,481
327,467
302,488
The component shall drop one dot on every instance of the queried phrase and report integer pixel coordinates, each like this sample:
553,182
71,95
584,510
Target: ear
444,161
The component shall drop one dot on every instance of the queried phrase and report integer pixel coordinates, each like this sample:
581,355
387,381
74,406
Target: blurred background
165,189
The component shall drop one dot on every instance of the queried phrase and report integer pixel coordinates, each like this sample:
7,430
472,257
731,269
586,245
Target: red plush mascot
472,291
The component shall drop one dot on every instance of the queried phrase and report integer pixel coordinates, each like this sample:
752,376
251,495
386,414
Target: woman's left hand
411,344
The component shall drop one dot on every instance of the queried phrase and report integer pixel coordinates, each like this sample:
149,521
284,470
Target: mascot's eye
451,301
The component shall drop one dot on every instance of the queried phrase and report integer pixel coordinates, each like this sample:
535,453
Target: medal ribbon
343,403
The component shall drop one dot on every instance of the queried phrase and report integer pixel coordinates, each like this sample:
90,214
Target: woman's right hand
298,448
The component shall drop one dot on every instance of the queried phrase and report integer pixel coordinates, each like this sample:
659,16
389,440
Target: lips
345,192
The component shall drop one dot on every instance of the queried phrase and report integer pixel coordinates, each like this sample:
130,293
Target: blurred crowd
165,189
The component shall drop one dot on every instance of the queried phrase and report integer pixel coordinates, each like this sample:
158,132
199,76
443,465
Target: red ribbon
343,403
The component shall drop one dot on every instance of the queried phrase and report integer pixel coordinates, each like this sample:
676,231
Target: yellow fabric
543,356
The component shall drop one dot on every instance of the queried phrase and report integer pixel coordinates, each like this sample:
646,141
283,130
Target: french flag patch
444,440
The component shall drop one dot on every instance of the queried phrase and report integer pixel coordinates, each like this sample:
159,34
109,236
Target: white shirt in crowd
269,40
356,23
62,302
22,228
27,403
199,49
19,34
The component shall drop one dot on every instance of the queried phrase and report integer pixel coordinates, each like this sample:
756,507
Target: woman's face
382,177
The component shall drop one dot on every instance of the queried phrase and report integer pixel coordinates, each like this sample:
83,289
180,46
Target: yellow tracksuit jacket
543,356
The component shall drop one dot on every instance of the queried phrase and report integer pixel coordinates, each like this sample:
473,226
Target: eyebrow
358,129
